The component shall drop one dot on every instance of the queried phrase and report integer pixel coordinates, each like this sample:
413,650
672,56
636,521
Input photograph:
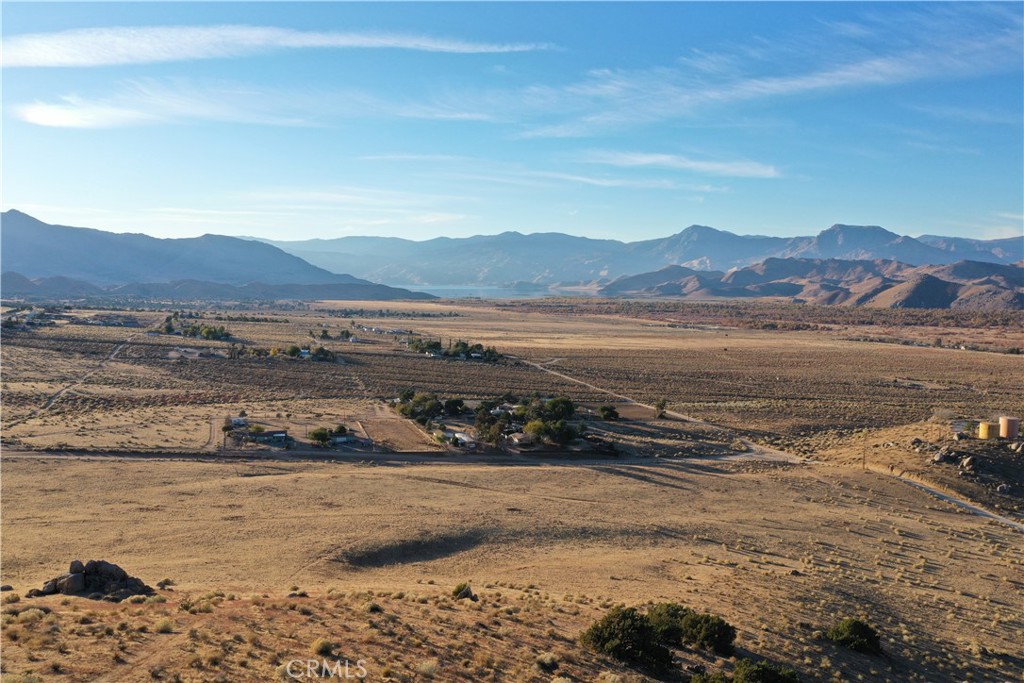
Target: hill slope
36,249
879,283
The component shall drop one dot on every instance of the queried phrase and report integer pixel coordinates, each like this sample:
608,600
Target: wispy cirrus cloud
483,170
159,101
734,169
936,43
969,114
121,45
148,102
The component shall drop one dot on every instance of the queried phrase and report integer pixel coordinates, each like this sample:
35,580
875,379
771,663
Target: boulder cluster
95,579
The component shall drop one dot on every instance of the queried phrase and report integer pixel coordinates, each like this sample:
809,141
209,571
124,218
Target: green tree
320,436
625,634
666,620
608,413
560,408
708,631
536,428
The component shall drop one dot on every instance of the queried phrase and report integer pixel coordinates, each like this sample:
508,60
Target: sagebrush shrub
763,672
856,635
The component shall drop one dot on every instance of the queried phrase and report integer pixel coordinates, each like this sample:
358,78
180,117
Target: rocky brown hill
877,283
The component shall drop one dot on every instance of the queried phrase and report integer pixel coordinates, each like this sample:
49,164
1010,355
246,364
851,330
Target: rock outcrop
96,579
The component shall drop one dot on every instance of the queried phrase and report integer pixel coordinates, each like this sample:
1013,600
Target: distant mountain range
551,258
41,260
879,283
845,264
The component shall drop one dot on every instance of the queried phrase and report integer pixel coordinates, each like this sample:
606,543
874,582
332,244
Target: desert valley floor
788,482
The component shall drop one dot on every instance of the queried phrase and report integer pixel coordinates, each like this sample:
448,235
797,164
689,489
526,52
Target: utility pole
864,451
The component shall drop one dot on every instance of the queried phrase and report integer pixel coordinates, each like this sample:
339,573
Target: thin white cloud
121,45
74,112
734,169
147,102
602,181
153,101
969,114
512,174
378,200
932,44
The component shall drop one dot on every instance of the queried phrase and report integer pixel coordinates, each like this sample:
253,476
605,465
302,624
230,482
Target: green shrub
856,635
763,672
627,635
717,677
708,631
666,620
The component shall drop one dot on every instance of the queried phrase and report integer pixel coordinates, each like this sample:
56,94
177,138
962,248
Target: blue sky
613,120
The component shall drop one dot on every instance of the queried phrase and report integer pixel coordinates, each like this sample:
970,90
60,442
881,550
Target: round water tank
1009,427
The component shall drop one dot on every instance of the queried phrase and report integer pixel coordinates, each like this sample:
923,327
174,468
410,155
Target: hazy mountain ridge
37,249
857,282
548,258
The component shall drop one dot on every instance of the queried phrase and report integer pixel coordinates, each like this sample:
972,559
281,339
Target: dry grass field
559,543
112,441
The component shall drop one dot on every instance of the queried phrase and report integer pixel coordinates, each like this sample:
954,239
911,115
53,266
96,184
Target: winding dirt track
758,452
70,387
754,451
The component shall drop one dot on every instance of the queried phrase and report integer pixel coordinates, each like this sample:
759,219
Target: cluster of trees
643,639
344,335
458,349
206,331
323,435
172,321
424,406
236,352
548,420
294,351
249,319
545,419
420,406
